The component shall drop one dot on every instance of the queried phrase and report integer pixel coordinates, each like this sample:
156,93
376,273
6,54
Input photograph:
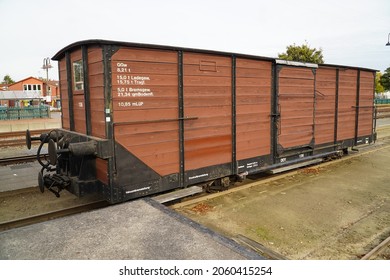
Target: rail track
20,159
20,222
383,111
377,250
17,138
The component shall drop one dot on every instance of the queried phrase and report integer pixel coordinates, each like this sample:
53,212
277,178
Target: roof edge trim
296,63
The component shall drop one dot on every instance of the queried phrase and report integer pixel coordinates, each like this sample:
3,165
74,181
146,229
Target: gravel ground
15,151
336,211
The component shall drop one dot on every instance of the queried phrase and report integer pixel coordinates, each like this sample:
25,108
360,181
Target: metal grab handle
369,107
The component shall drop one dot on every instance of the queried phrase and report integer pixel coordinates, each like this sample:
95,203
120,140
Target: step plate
163,198
294,166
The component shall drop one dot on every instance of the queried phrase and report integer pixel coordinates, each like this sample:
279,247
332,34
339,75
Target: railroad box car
141,119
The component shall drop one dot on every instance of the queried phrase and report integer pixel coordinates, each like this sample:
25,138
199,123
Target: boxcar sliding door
295,110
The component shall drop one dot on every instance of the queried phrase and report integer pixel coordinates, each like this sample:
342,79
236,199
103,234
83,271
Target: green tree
302,54
8,80
385,79
378,86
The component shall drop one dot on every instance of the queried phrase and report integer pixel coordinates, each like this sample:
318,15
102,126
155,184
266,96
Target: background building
47,91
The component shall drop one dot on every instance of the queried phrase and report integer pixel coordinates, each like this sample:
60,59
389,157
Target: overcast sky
350,32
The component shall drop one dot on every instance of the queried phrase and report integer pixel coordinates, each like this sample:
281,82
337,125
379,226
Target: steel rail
21,133
377,250
17,138
52,215
26,158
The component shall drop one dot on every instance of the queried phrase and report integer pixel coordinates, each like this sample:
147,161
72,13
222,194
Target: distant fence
32,112
382,101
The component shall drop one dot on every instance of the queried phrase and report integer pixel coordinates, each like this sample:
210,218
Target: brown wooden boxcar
141,119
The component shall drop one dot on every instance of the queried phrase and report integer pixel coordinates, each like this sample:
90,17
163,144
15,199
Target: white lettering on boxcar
121,67
139,80
124,104
252,164
131,88
131,80
138,190
198,176
134,92
130,104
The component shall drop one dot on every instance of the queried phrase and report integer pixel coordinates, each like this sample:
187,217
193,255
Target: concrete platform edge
229,243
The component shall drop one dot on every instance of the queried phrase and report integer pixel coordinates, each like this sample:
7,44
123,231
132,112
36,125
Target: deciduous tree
302,53
8,80
385,79
378,86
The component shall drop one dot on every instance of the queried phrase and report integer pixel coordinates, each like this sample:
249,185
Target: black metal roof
78,44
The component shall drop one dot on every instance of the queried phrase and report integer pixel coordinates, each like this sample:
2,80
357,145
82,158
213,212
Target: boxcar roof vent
296,63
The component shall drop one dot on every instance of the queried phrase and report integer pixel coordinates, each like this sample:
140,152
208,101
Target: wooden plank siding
145,106
253,108
296,104
102,170
96,91
326,88
366,103
346,104
64,93
207,83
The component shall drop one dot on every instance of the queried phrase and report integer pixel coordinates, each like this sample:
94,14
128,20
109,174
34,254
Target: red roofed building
48,91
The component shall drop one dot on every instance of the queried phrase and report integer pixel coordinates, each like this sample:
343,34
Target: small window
24,87
34,87
78,77
39,87
29,87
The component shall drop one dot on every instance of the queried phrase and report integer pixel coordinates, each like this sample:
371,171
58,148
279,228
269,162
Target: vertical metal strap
336,107
60,78
374,111
314,71
182,182
107,90
275,111
70,90
113,195
234,117
87,102
271,117
357,107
